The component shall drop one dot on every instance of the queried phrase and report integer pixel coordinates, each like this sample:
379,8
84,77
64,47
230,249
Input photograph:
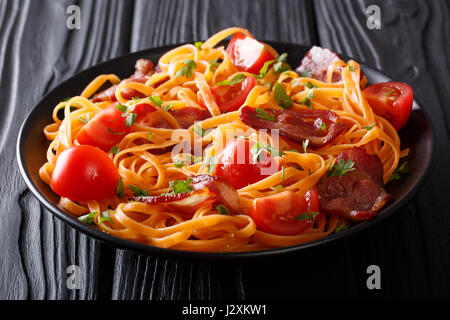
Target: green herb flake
309,85
168,107
138,192
181,186
340,228
188,69
307,216
150,134
323,126
368,128
341,168
351,68
281,97
277,188
115,150
116,133
306,74
84,119
257,151
221,209
235,80
214,64
198,44
198,130
179,163
211,163
122,108
156,100
88,218
264,115
130,119
105,217
400,172
120,189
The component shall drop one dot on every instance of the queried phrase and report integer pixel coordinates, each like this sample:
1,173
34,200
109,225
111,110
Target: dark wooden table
37,51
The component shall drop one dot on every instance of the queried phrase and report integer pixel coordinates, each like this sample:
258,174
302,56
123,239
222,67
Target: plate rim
141,248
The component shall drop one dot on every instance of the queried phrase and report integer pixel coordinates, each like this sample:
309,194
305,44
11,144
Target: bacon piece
143,69
358,194
205,188
297,125
187,116
316,62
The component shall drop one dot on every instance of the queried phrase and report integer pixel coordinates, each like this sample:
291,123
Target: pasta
145,157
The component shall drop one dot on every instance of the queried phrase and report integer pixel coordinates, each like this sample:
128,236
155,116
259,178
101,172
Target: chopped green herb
305,145
88,218
351,68
150,134
235,80
307,100
264,115
341,168
323,126
257,149
222,209
115,150
179,163
66,99
400,172
138,192
277,188
198,130
198,44
368,128
122,108
265,68
210,162
156,100
281,97
309,85
181,186
105,217
306,74
188,70
340,228
307,216
168,107
130,119
120,189
214,64
116,133
280,64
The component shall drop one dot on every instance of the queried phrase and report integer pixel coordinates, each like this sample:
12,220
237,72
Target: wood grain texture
37,52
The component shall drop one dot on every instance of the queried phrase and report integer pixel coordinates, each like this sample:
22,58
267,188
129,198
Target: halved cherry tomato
232,98
84,173
276,214
248,54
104,130
235,164
392,101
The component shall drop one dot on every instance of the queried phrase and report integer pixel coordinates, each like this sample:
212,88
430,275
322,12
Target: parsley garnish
150,134
340,228
88,218
235,80
116,133
281,97
277,188
351,68
400,172
181,186
105,217
222,209
168,107
198,130
307,216
309,85
210,162
138,192
119,189
187,70
257,149
198,44
130,119
279,65
115,150
307,73
368,128
213,64
84,119
341,168
307,100
389,93
323,126
156,100
264,115
179,163
122,108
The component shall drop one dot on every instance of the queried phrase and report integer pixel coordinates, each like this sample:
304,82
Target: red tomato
104,130
84,173
276,214
392,101
232,98
248,54
235,163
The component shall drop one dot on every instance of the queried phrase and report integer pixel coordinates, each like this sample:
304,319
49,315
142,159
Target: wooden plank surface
37,52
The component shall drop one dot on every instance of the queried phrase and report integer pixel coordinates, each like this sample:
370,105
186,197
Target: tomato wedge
104,130
232,98
84,173
277,214
248,54
236,165
392,101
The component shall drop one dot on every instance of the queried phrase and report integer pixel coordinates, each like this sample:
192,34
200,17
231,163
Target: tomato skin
97,132
275,214
236,165
392,101
248,54
233,103
84,173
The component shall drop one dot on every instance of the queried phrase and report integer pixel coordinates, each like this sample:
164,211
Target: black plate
32,146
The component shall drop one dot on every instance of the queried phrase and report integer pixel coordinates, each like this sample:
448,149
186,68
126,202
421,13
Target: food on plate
228,148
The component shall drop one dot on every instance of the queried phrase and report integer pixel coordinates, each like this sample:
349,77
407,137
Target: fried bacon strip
205,188
143,69
358,194
297,125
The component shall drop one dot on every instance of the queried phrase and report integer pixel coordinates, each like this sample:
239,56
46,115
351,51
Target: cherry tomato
391,100
235,164
84,173
104,130
276,214
232,98
248,54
